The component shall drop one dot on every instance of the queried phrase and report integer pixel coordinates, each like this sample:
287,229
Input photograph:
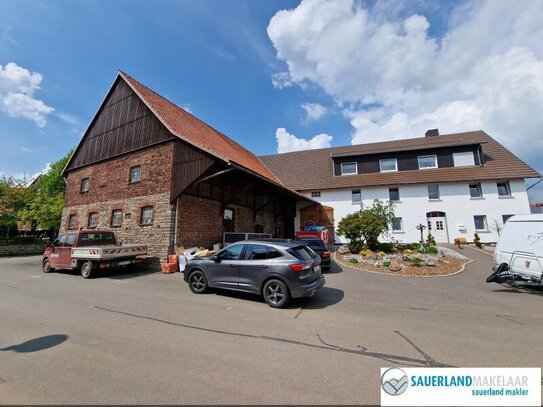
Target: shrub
386,263
415,261
20,240
407,251
353,260
410,246
430,240
477,240
365,252
382,254
386,247
432,250
421,249
354,246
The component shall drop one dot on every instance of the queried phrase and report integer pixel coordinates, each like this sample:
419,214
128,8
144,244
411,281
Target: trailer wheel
87,270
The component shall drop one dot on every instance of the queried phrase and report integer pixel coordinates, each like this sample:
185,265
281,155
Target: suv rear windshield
93,239
314,243
302,253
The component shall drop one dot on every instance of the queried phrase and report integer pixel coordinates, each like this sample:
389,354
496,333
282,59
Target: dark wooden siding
123,124
188,164
407,160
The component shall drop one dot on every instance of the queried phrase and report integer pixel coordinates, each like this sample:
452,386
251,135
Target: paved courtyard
145,338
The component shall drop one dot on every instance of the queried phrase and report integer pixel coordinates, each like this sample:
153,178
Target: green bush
353,260
477,240
355,246
20,240
385,247
430,240
415,261
386,263
410,246
432,250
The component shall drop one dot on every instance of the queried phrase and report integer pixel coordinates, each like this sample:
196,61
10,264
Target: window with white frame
480,222
388,165
463,159
394,194
316,194
504,189
349,168
433,191
427,161
356,196
475,190
397,224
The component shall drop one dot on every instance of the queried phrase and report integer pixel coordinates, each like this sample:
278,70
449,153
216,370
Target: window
388,165
475,190
433,191
85,185
146,215
439,225
427,161
71,222
135,174
93,220
256,252
356,196
231,252
70,240
503,188
394,194
397,224
59,241
303,253
505,218
316,194
480,222
116,217
463,159
228,214
95,239
273,253
349,168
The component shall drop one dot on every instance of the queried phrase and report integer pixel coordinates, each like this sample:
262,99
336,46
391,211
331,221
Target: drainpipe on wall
175,226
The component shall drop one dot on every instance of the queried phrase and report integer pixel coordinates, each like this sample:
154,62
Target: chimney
432,133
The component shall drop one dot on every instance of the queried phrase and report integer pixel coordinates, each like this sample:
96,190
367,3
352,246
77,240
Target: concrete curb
403,275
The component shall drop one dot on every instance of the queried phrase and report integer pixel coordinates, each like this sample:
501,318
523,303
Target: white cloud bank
287,142
394,81
17,88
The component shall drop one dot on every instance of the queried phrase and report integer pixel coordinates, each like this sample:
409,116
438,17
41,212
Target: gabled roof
313,169
194,131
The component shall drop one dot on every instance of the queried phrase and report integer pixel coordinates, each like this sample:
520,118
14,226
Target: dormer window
349,168
463,159
388,165
427,161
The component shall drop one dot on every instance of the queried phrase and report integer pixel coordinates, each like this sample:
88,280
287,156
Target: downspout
175,226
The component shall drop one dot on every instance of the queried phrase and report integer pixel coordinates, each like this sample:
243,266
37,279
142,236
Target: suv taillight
326,254
300,266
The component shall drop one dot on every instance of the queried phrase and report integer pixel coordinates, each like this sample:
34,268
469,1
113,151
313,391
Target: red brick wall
199,222
109,180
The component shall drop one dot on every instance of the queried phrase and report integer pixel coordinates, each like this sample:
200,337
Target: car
319,247
278,270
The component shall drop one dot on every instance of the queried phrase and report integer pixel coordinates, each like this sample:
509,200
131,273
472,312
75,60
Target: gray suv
278,270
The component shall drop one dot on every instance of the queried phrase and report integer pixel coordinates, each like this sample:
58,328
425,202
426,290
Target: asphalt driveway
145,338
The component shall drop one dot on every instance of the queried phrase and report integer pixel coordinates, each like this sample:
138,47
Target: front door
437,226
224,272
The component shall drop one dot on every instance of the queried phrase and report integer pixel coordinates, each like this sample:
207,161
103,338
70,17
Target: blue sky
274,75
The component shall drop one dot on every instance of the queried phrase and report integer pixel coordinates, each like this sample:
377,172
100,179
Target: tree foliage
367,225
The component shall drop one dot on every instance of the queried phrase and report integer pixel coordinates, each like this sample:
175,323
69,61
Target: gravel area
447,265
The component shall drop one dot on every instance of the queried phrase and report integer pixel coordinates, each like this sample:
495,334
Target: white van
520,248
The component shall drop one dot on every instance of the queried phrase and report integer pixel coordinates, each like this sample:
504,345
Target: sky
275,76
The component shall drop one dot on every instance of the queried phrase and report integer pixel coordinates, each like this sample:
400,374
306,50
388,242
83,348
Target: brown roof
194,131
313,169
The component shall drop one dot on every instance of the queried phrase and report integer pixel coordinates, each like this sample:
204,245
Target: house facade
155,174
454,185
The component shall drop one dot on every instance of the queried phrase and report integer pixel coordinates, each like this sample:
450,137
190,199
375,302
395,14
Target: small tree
430,240
497,226
477,240
367,225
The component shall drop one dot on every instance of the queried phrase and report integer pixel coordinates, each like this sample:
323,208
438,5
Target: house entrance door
437,226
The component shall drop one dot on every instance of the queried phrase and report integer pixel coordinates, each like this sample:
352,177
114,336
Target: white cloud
314,111
287,142
24,177
281,80
68,118
393,80
26,150
17,88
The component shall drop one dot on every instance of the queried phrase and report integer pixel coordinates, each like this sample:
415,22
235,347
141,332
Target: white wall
454,200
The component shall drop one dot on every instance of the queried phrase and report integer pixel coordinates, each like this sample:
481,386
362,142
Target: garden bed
407,263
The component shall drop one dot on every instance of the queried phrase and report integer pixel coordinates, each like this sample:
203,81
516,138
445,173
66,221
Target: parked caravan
518,259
